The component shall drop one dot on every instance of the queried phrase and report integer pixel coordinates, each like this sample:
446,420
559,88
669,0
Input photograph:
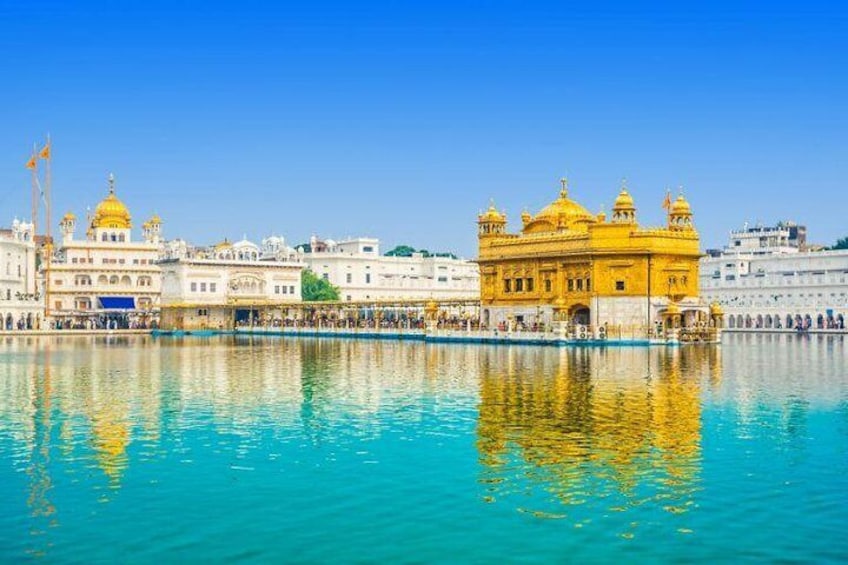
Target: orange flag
667,202
45,151
31,163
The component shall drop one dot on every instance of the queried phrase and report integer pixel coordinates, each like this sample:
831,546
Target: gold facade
589,269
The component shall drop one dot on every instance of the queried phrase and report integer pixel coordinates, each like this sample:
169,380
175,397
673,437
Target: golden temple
594,274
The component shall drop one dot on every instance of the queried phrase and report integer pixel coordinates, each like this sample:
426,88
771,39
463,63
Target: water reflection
592,424
556,432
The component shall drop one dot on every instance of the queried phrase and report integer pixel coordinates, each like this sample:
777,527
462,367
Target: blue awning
117,302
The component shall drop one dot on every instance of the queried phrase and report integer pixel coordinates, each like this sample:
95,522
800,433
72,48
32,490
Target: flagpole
47,153
32,165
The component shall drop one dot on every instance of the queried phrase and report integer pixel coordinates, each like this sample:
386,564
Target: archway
759,320
580,315
769,321
820,321
840,322
731,321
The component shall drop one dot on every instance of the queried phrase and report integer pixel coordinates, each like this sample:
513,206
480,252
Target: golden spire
563,193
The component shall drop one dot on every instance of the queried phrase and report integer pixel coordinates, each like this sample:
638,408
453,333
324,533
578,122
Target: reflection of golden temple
594,423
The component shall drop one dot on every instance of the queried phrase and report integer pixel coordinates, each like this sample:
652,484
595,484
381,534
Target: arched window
126,281
104,237
113,279
121,237
102,279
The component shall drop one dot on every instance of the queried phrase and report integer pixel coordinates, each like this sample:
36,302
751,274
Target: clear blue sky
402,119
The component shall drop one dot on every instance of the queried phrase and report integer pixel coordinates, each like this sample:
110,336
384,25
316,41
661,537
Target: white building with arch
764,280
218,287
21,303
106,279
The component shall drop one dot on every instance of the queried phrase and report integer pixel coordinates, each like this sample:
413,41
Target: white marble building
220,286
21,303
105,279
356,267
773,284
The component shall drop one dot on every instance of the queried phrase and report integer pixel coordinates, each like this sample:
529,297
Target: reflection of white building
21,306
216,287
356,267
763,279
106,277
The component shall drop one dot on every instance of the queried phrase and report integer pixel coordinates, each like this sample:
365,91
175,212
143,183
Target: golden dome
492,215
111,212
223,245
672,308
715,309
69,217
154,220
562,213
624,201
680,207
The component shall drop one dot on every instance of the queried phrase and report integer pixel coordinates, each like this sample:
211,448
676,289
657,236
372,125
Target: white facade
778,287
356,267
21,303
215,287
106,279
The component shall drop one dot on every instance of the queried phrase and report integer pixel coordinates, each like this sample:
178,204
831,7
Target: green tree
841,243
401,251
314,288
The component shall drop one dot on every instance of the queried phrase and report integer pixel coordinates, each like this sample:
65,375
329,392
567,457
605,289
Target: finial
624,184
111,183
491,203
563,193
680,188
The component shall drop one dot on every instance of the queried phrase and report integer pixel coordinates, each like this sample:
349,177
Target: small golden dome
492,215
624,201
672,308
69,217
223,245
111,212
681,207
155,220
716,309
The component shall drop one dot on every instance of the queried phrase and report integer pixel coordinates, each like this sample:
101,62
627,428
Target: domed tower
152,230
111,221
68,225
680,215
491,223
624,210
563,214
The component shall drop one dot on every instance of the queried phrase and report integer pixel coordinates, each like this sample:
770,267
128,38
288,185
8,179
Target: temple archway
580,314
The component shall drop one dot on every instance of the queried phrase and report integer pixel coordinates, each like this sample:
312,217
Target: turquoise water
312,450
